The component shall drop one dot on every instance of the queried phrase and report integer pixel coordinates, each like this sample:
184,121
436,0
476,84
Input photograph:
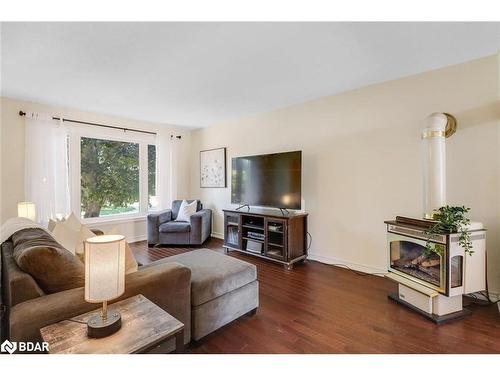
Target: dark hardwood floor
317,308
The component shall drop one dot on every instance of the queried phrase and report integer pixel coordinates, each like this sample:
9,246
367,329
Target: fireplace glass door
411,258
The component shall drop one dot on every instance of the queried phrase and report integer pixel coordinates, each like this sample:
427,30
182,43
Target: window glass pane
109,177
152,197
456,270
412,259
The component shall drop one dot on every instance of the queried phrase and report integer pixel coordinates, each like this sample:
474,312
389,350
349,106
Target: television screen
272,180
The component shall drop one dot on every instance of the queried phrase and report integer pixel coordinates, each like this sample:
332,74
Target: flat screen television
270,180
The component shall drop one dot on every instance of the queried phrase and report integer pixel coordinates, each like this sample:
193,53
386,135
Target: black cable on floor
344,266
310,241
485,294
480,301
359,273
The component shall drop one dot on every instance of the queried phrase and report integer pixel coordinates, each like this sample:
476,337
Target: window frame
76,133
157,208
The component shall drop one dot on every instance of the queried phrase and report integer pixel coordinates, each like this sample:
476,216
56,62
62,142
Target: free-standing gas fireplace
442,270
433,282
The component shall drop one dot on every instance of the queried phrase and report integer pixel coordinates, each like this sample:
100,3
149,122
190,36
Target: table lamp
104,281
26,209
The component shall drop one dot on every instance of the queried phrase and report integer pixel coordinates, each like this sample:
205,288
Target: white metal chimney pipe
438,127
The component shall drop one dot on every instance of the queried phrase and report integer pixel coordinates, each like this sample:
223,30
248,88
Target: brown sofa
28,308
203,288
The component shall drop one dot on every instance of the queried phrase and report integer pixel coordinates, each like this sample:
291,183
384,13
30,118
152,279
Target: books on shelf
256,235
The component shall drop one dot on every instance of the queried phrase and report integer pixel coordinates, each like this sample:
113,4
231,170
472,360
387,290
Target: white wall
12,156
361,158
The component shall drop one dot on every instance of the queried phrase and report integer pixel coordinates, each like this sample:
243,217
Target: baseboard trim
217,235
354,266
143,237
139,238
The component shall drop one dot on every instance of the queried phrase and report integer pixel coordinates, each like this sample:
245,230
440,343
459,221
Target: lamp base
97,327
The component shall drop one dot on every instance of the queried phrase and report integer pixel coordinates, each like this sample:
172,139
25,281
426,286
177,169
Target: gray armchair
164,230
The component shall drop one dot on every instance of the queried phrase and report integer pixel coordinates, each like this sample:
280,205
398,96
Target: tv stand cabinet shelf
267,234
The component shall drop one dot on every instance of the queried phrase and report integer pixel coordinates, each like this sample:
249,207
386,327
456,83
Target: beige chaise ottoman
223,288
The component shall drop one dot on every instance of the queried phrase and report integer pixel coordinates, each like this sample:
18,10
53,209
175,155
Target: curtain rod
21,113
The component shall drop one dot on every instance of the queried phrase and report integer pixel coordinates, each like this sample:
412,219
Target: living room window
109,177
114,174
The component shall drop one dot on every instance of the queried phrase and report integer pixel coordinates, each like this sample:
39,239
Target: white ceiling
199,74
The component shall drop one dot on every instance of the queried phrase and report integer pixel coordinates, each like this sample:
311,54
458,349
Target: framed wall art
213,168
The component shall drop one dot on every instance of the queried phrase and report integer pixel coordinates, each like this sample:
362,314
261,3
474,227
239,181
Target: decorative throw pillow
131,264
85,234
186,210
65,232
73,222
53,267
68,237
72,234
53,222
52,225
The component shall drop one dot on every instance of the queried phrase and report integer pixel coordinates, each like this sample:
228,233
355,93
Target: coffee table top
144,325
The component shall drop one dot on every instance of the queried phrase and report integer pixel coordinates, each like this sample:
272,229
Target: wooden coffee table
144,326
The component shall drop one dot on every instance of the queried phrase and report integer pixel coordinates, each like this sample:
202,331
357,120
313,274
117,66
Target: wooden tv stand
267,234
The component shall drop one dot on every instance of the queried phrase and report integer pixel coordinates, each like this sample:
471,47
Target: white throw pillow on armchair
186,210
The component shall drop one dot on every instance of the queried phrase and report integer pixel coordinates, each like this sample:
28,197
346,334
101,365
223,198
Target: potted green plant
450,219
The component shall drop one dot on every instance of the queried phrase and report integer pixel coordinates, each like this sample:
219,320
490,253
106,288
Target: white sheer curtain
174,167
46,166
167,168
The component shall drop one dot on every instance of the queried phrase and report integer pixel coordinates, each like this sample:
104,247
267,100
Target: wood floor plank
317,308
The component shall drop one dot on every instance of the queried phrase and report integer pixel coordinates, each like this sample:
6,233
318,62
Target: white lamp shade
26,209
104,268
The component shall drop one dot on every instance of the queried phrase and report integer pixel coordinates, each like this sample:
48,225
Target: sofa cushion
18,286
175,227
214,274
52,266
